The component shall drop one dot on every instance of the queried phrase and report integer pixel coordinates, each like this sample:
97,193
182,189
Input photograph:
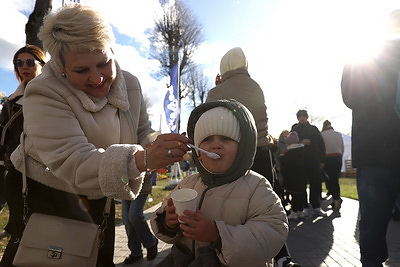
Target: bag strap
9,122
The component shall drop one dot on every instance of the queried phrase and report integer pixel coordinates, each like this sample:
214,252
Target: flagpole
160,121
179,95
180,58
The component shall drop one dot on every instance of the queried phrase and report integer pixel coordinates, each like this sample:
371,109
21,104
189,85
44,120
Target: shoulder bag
56,241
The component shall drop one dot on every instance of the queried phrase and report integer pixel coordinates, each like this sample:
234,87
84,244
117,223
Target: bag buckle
54,252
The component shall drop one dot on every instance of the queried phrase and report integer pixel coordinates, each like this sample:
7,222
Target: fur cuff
115,179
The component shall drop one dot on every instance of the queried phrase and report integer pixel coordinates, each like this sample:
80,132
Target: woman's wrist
139,159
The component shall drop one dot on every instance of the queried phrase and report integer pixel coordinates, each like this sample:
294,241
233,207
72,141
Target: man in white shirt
334,148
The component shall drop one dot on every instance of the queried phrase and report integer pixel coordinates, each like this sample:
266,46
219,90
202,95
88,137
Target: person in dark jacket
372,91
293,176
314,158
28,62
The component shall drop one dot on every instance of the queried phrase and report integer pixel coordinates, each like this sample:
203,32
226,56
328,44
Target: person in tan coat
236,83
240,220
86,125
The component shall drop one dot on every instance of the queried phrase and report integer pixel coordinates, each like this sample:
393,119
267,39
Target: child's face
223,146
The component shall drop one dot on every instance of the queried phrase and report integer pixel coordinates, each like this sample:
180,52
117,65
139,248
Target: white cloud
12,30
130,17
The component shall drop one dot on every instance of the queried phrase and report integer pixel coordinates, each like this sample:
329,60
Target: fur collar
19,92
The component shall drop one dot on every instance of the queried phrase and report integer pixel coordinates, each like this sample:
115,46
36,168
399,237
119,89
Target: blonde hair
75,28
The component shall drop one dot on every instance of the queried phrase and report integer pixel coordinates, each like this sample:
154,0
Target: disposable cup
184,199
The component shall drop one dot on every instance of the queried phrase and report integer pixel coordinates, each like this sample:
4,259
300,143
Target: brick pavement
330,241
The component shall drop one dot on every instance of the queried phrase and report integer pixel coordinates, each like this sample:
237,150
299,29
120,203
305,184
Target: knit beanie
216,121
292,138
233,59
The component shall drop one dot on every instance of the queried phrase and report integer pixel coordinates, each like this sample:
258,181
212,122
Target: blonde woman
85,119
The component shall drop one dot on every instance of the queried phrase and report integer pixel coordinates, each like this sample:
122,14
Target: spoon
210,154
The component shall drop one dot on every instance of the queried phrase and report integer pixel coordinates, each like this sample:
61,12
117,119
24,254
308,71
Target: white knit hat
233,59
216,121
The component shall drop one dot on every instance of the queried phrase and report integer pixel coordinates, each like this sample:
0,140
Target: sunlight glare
363,50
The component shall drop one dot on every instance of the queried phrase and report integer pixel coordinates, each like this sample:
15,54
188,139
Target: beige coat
238,85
249,216
83,145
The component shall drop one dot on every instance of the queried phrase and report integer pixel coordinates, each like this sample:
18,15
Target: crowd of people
77,126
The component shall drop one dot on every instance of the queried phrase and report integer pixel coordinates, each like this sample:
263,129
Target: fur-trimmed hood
247,145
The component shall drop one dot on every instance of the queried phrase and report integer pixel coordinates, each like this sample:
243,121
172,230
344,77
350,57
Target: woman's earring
63,74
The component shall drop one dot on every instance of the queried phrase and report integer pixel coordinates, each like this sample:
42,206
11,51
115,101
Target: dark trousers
298,200
15,225
46,200
2,186
333,167
378,188
136,227
312,174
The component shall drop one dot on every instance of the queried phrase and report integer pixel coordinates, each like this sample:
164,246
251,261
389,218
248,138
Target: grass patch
4,236
348,188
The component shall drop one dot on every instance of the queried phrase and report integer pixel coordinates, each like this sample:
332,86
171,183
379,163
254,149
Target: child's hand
171,218
198,227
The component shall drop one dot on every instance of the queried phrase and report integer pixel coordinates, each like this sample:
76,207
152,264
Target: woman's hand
166,149
171,218
198,227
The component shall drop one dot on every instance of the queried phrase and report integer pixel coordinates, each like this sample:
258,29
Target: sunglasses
19,63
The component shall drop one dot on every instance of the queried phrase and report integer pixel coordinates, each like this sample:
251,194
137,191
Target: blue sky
296,49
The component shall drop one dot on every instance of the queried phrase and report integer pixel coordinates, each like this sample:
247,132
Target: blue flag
171,101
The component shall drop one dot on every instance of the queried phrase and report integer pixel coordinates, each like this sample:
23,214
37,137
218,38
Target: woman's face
91,72
225,147
26,72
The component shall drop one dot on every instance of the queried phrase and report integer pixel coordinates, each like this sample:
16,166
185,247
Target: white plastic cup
184,199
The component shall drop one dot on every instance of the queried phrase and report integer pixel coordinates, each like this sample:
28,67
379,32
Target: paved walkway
315,241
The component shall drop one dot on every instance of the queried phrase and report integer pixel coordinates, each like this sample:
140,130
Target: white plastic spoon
210,154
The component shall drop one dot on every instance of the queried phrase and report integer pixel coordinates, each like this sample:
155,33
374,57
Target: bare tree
41,9
195,85
175,37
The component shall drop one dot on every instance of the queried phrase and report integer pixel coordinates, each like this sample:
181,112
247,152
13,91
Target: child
292,171
240,221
